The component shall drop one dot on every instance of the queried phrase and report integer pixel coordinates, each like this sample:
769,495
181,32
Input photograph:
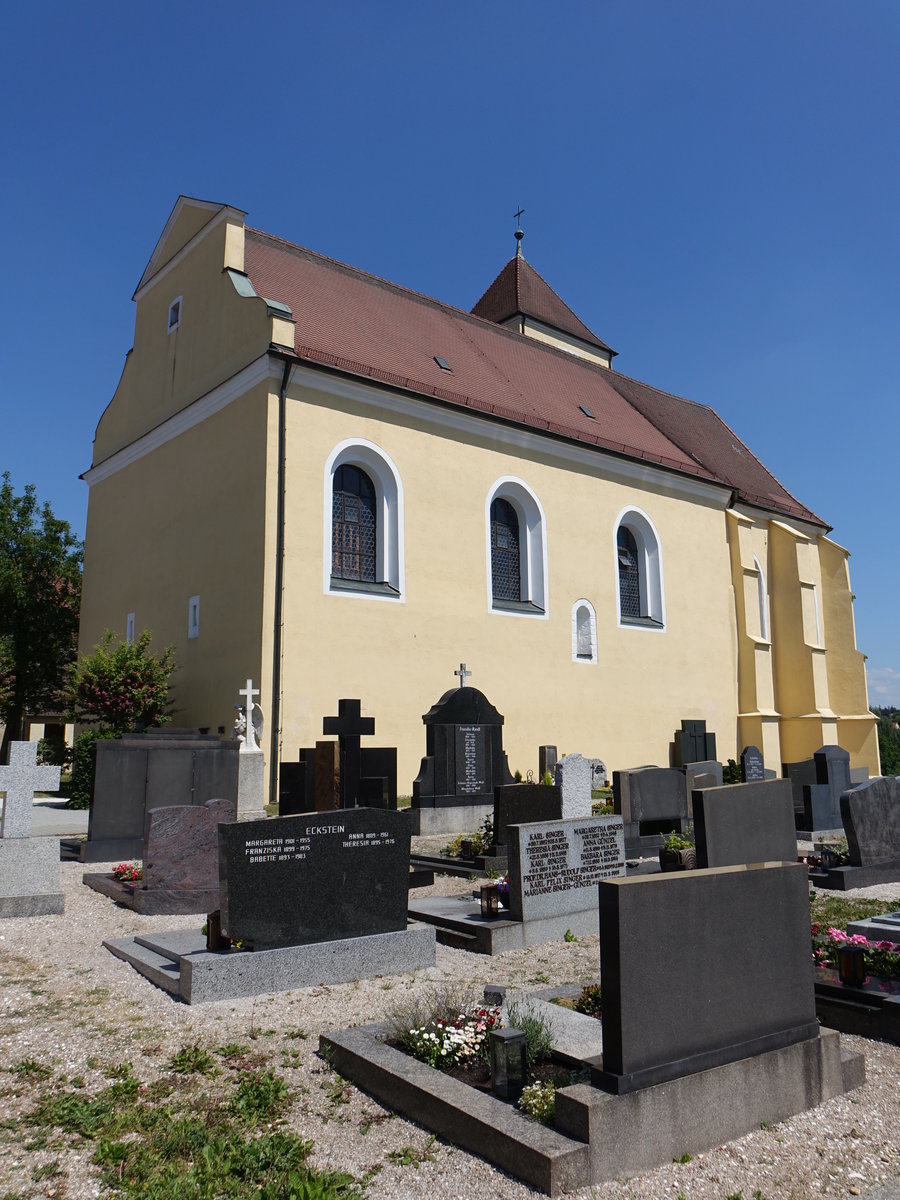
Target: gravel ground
69,1004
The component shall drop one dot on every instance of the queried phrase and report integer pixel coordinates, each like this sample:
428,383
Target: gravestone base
179,962
885,928
454,818
459,923
695,1113
841,879
29,877
820,835
251,791
153,902
111,849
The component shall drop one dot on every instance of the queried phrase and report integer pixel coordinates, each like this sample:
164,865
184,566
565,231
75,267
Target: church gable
187,221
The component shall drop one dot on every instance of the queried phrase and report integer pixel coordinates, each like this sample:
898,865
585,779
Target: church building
342,488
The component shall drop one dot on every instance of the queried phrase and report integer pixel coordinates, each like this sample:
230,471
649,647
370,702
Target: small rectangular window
129,629
174,314
194,617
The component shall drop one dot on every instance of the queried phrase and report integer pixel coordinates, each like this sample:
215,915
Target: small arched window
506,572
639,571
584,632
353,525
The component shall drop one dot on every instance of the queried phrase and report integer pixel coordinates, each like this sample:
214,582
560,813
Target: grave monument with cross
251,792
464,761
29,866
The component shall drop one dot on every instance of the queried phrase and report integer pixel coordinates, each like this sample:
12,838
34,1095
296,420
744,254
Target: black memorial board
473,766
318,877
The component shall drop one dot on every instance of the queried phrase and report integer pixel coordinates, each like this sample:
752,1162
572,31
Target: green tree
121,685
889,745
40,594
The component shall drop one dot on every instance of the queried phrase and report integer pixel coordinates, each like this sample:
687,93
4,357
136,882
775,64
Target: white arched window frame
533,600
762,600
389,565
584,632
650,570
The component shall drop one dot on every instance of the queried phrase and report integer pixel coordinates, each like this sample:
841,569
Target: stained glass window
506,579
353,525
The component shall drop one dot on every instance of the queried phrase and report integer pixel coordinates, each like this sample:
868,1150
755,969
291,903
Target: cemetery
240,909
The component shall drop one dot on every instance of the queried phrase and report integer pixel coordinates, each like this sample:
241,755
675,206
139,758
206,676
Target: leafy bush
731,772
537,1028
679,841
82,786
539,1101
590,1002
481,841
122,684
51,751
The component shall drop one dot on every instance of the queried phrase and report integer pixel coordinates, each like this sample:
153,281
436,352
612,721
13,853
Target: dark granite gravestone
650,801
297,785
547,757
349,725
326,768
822,800
693,744
702,1003
319,877
753,767
313,783
142,771
871,814
521,803
800,774
745,823
555,866
464,752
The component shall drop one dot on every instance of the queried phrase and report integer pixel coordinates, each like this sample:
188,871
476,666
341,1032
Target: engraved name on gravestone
753,768
318,877
555,866
473,768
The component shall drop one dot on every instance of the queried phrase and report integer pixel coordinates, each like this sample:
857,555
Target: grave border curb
475,1121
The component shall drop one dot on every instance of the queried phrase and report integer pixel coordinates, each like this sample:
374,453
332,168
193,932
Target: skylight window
587,412
442,363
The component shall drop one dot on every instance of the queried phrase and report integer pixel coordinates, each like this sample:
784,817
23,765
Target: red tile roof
520,290
365,326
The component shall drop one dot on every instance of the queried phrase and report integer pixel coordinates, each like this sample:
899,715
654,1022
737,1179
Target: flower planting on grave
882,959
476,844
590,1002
128,872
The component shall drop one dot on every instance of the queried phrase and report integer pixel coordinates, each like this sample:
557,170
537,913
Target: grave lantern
507,1063
490,900
852,965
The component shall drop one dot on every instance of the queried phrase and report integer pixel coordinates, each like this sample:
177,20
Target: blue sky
713,188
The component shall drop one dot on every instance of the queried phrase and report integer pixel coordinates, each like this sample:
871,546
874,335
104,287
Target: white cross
463,674
248,693
20,780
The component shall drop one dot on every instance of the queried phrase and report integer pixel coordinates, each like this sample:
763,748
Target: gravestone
753,767
800,775
327,773
555,866
650,801
822,800
297,784
318,877
366,777
251,788
573,778
546,760
871,814
745,823
29,866
142,771
599,774
702,1004
180,862
520,803
693,744
313,783
700,775
464,763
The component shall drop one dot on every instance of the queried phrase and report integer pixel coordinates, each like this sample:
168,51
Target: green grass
835,909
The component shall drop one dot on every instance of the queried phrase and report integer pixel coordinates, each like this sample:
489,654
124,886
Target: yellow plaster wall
220,333
399,657
191,518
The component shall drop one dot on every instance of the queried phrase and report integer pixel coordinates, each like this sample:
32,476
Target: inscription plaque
554,867
472,763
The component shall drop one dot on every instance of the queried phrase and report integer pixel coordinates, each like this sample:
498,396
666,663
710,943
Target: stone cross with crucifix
249,741
463,674
19,781
349,725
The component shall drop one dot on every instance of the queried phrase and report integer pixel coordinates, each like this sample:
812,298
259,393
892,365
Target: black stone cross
463,674
349,725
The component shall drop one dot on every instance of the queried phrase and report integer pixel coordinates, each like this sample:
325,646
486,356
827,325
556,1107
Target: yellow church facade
341,488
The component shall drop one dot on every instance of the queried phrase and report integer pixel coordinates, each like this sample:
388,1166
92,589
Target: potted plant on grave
678,852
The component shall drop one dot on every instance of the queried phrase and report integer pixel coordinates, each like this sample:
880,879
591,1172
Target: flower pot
677,860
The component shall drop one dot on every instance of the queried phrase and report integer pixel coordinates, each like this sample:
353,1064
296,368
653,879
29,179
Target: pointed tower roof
520,291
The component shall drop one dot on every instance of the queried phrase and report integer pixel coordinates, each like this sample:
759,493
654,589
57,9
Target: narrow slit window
174,314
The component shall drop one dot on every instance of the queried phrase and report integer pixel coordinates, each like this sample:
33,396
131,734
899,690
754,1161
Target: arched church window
629,574
584,632
353,525
506,575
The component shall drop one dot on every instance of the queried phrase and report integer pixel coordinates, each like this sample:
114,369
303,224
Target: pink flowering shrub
882,959
121,683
